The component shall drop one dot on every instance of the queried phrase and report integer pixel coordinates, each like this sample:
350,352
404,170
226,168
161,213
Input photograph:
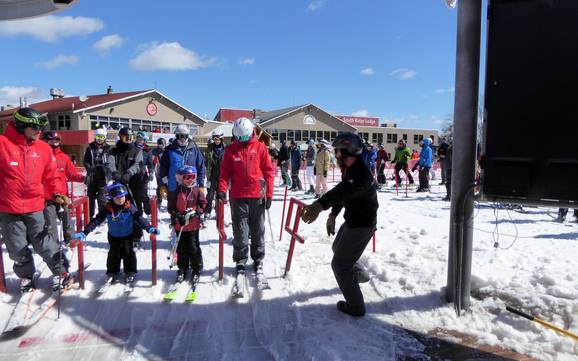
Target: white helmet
243,129
182,129
217,134
273,146
324,142
101,132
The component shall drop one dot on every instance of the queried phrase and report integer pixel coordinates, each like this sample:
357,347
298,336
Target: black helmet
161,141
28,117
349,144
125,131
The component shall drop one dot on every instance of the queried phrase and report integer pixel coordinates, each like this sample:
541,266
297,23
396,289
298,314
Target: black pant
95,193
296,180
444,168
424,177
189,254
404,167
159,197
211,194
381,175
120,249
140,196
348,246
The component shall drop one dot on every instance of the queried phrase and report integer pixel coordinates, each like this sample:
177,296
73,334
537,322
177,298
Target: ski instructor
245,163
357,194
27,171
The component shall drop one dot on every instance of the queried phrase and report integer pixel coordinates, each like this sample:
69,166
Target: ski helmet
217,134
187,176
243,129
100,133
142,135
116,190
50,135
28,117
126,132
349,144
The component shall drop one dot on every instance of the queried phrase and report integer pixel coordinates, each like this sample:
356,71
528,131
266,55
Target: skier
99,166
244,164
357,194
122,217
448,161
65,171
442,158
295,156
182,151
424,164
140,182
381,163
213,157
283,162
401,157
322,162
27,173
191,205
310,159
157,154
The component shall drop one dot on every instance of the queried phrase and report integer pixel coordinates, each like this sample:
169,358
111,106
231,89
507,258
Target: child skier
122,216
190,205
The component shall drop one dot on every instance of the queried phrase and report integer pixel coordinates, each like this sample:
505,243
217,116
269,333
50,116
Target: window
333,136
290,135
297,135
275,134
379,138
417,138
404,137
319,135
391,138
305,134
60,121
282,135
364,136
326,135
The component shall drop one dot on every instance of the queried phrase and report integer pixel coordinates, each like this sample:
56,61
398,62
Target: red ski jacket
27,172
65,171
244,164
190,199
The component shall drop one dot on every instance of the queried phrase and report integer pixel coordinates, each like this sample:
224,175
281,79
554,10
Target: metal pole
464,159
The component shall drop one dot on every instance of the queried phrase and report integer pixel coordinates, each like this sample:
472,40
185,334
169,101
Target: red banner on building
359,121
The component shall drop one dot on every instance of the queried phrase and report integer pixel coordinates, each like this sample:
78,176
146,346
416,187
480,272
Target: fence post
283,215
2,276
222,236
292,242
81,265
374,241
153,237
86,211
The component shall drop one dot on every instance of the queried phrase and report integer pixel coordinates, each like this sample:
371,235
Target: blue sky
390,59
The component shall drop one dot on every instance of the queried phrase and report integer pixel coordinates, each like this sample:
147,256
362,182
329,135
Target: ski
20,311
107,284
129,287
237,291
192,293
171,294
262,282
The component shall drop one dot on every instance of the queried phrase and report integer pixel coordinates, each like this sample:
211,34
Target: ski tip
13,333
191,297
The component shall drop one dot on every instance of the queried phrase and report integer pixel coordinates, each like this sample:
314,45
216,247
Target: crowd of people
242,174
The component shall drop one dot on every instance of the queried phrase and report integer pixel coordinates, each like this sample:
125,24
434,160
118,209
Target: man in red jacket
65,171
246,162
27,169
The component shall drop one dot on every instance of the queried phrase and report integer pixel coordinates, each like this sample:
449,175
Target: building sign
309,120
151,109
359,121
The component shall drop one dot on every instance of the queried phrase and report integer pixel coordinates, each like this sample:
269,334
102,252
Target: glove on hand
222,196
125,179
154,230
80,236
61,199
163,192
203,190
330,225
311,212
165,180
268,203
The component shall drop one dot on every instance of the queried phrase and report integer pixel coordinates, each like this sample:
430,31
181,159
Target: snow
297,320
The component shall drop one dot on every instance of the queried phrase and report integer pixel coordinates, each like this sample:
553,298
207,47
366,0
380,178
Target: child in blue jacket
122,216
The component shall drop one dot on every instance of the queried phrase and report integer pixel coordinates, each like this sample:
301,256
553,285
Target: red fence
293,231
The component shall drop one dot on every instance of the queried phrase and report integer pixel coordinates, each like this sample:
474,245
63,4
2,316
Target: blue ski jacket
175,157
121,220
426,155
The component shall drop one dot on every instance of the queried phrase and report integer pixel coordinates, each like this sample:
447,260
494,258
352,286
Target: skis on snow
173,292
238,286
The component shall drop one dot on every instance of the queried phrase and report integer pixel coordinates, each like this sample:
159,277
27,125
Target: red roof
230,115
74,103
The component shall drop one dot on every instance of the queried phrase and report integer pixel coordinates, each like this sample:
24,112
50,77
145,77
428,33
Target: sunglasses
190,177
181,136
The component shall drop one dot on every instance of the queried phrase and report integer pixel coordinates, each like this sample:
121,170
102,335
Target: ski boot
26,285
180,276
61,281
130,277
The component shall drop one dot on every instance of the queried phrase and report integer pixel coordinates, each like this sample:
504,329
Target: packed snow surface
297,319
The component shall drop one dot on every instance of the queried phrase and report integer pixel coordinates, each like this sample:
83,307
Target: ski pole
59,235
542,322
171,256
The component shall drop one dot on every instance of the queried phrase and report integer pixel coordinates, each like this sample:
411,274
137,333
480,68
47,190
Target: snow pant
18,230
189,254
311,176
211,194
348,246
381,174
285,174
444,168
424,177
120,249
295,180
399,167
248,216
97,194
140,196
320,185
52,210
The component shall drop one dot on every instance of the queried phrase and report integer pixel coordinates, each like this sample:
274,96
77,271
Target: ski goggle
100,137
181,136
127,138
244,138
189,177
33,122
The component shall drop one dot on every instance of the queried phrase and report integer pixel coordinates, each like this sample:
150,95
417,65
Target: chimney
257,113
109,89
56,93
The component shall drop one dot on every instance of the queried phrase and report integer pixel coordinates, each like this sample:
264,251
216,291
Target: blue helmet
187,169
116,190
187,176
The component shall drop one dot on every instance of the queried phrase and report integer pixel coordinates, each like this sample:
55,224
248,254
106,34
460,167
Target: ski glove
154,230
311,212
203,190
268,203
163,192
61,199
80,236
165,180
222,196
125,179
330,225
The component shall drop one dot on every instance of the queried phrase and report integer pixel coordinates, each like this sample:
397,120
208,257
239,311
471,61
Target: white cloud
413,117
169,56
447,90
247,61
51,28
58,61
316,5
403,73
11,94
106,43
437,120
361,113
367,72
